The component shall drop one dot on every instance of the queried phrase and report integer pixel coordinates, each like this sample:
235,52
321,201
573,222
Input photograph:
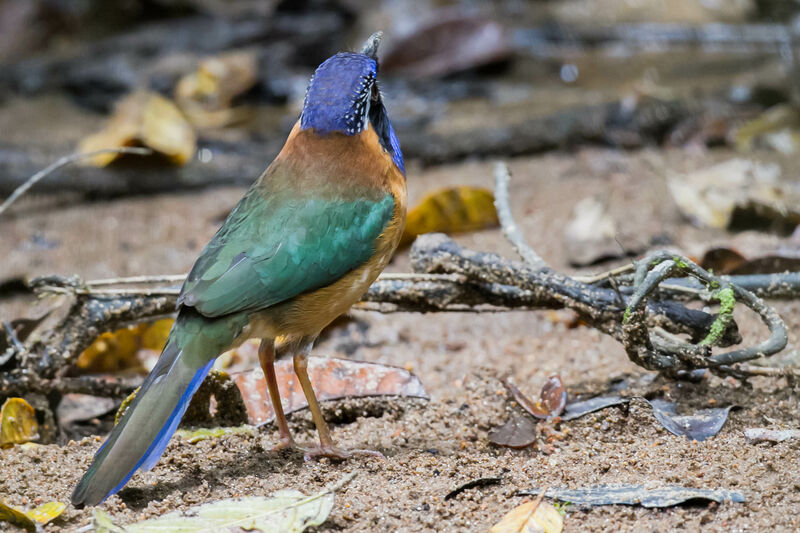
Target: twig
137,280
12,336
605,275
510,229
14,346
744,370
66,160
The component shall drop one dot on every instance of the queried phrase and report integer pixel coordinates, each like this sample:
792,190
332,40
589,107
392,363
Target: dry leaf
154,336
591,235
81,407
519,432
331,378
32,519
148,119
206,94
451,210
288,511
621,494
551,402
17,423
452,43
532,517
578,409
699,426
114,351
731,262
722,260
738,193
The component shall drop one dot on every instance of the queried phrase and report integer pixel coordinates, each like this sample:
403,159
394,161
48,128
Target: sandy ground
433,447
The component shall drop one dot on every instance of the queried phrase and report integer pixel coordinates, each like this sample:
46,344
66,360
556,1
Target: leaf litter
536,516
737,194
286,511
521,431
31,519
148,119
699,426
730,261
18,423
451,210
621,494
552,398
575,410
331,378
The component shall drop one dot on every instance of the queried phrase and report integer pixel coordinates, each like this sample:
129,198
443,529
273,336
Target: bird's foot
285,443
332,452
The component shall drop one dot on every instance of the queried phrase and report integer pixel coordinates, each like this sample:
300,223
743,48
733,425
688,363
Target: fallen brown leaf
552,398
519,432
332,379
453,43
144,118
729,261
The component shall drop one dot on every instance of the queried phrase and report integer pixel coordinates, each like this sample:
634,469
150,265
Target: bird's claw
285,443
332,452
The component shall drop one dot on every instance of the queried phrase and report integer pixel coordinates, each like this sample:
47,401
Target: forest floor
433,447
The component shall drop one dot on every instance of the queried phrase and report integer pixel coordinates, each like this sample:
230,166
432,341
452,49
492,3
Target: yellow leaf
46,512
113,351
155,335
206,95
144,118
532,517
451,210
30,519
17,423
118,350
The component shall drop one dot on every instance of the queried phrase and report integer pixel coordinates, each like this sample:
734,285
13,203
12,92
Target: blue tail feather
142,435
156,449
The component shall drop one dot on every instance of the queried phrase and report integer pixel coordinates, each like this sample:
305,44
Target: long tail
141,436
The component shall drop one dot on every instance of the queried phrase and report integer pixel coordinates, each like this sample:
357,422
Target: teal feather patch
272,248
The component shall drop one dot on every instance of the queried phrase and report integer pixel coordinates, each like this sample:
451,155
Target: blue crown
338,95
342,97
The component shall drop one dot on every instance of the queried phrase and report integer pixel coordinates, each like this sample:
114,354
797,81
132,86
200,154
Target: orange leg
266,356
326,445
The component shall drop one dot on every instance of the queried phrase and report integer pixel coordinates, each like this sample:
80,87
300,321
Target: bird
302,245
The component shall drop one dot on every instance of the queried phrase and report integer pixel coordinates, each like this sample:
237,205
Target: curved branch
657,353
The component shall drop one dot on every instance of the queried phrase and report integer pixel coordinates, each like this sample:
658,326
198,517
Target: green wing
272,248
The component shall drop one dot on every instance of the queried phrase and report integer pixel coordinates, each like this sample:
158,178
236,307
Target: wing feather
273,247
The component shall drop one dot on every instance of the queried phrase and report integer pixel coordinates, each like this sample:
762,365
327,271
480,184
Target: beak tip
370,47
